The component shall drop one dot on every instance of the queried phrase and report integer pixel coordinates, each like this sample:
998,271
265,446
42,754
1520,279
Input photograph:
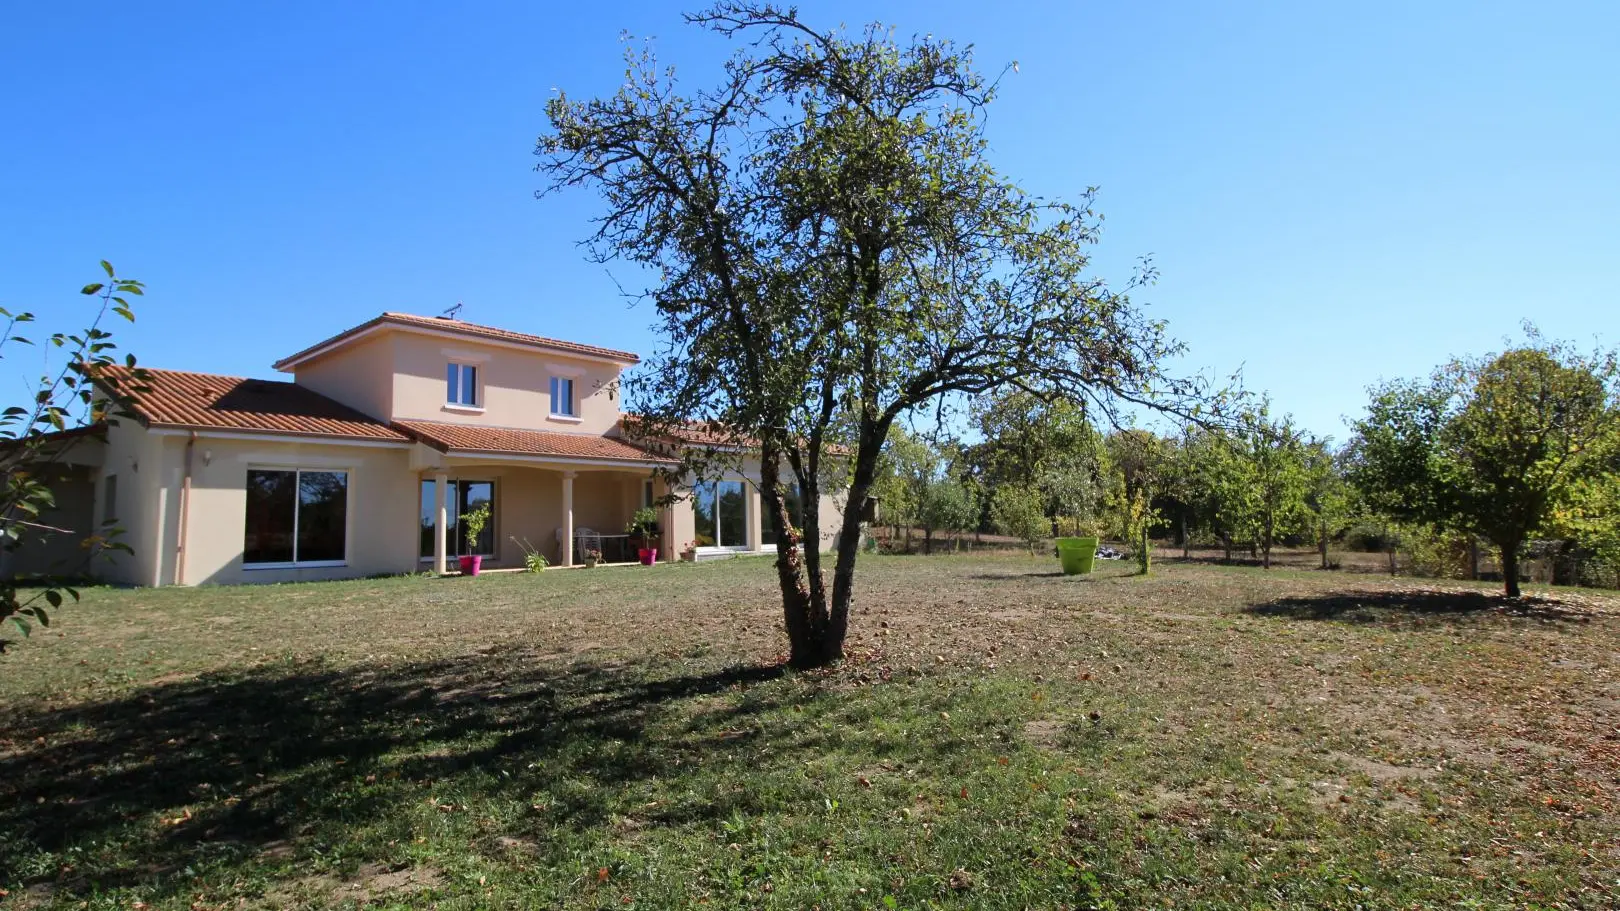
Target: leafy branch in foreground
79,395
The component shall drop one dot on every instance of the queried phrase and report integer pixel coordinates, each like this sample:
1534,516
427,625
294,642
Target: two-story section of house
386,434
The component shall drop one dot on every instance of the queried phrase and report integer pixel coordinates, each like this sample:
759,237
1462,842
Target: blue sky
1333,193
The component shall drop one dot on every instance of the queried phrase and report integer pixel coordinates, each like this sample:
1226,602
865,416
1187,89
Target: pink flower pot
471,565
648,555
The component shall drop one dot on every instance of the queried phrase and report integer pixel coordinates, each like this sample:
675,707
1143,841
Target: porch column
441,523
568,518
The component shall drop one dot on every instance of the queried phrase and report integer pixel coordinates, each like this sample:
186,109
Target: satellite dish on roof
453,312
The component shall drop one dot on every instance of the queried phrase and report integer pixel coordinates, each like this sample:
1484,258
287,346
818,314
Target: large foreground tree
1491,447
831,248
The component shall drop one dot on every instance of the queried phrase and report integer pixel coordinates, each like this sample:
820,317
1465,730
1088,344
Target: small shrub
535,562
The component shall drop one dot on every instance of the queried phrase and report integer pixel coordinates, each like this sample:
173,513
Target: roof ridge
457,327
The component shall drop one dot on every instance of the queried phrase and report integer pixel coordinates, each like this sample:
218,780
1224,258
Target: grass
1001,737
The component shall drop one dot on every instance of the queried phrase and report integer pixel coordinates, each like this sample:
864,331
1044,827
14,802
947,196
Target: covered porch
556,503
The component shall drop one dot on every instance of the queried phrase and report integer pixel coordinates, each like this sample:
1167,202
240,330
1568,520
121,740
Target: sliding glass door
720,509
461,497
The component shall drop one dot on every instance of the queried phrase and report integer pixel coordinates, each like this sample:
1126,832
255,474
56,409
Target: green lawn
1002,737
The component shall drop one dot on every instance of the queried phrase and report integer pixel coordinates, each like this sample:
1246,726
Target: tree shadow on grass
1419,606
217,770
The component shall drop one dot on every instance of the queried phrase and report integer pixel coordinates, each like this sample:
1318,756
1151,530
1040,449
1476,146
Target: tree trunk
908,537
849,544
1473,558
1186,539
1226,540
1265,556
1510,568
928,541
1322,542
1145,561
805,620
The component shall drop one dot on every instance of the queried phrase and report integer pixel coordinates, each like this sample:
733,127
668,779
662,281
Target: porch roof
470,439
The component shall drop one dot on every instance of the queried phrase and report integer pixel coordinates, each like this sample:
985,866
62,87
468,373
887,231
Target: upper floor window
562,396
461,385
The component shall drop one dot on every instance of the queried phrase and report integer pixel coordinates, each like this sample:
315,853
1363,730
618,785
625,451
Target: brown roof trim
98,429
442,325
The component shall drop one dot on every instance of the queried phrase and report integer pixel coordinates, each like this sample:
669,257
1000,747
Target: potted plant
689,552
643,532
473,522
591,557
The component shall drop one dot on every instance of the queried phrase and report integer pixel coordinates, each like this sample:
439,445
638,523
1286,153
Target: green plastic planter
1077,555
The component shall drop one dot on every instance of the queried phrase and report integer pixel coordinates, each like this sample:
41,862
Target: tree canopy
1495,446
833,249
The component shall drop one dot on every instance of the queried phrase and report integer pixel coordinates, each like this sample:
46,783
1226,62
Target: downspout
185,500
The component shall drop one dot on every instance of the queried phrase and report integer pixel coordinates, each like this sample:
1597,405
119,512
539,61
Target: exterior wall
134,455
677,522
44,552
360,376
515,386
380,510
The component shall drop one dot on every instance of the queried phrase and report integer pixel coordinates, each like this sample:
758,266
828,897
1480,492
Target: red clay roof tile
176,398
506,440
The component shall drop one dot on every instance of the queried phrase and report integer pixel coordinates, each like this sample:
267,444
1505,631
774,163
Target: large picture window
460,498
296,517
721,512
795,508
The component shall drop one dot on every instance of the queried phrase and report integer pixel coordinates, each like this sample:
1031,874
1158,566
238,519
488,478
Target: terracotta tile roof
710,434
175,398
505,440
457,327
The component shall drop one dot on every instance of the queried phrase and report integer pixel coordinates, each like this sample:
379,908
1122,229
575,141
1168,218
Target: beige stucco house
361,464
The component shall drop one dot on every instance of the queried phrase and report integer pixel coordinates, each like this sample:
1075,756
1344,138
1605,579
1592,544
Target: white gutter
274,437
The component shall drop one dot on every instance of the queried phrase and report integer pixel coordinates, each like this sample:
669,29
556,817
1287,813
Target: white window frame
572,402
748,509
460,403
348,526
109,499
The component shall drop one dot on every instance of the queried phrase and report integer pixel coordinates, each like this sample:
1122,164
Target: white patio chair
586,539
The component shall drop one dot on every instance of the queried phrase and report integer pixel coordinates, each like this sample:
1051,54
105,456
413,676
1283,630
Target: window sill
463,409
306,564
565,418
726,549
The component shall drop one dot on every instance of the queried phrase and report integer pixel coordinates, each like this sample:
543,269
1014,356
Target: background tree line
1506,457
